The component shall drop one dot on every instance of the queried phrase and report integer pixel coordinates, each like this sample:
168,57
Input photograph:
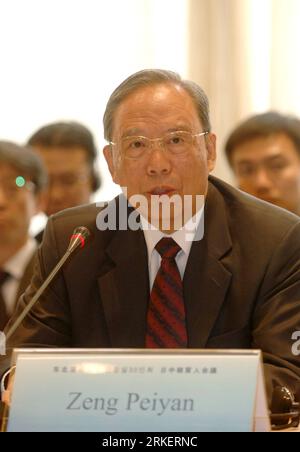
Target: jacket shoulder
244,209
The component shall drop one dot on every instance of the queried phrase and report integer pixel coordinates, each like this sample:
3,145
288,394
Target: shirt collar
154,235
16,265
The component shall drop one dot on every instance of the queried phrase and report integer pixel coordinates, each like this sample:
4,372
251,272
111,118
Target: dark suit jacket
241,284
26,278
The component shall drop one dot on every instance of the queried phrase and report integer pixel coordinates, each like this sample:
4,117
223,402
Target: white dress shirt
183,237
16,266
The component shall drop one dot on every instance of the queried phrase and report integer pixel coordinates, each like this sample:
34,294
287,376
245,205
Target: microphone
285,411
78,238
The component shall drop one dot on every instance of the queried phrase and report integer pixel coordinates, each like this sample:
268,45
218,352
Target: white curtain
245,53
60,59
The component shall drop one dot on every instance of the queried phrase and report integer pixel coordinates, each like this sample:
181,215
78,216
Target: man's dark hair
24,160
68,135
263,125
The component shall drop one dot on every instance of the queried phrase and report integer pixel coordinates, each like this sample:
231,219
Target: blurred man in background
69,153
22,179
264,154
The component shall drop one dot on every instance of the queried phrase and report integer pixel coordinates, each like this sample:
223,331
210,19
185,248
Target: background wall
244,53
60,59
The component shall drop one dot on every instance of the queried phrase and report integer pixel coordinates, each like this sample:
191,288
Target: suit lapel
206,279
124,289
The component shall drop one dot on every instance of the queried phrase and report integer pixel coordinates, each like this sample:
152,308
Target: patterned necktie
166,327
3,312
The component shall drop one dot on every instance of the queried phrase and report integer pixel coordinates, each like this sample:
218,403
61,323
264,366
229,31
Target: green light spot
20,181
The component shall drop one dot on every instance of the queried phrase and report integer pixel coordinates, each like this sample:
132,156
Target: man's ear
211,140
108,154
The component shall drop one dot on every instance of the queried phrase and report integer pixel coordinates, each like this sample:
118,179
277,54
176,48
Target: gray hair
150,77
23,159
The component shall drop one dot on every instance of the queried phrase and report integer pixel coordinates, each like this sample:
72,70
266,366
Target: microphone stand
78,238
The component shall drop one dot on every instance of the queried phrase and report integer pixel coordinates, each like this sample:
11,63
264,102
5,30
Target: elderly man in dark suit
224,275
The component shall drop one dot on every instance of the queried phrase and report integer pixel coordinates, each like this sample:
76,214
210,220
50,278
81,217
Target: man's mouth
160,191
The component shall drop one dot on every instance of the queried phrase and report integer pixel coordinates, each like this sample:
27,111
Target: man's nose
262,180
56,190
159,162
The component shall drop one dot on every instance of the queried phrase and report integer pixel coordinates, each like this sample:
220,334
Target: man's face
69,176
269,168
153,112
17,207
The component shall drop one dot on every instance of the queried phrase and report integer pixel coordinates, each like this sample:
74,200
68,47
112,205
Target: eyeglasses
176,143
13,187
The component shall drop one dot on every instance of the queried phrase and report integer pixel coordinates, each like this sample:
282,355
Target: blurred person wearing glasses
226,277
22,180
264,154
68,151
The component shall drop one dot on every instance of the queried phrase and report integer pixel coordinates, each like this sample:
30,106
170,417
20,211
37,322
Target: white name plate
138,391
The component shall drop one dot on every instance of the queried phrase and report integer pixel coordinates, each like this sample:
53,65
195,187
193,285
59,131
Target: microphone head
284,409
282,400
78,238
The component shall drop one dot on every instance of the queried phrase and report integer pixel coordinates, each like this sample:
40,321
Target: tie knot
3,277
167,248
